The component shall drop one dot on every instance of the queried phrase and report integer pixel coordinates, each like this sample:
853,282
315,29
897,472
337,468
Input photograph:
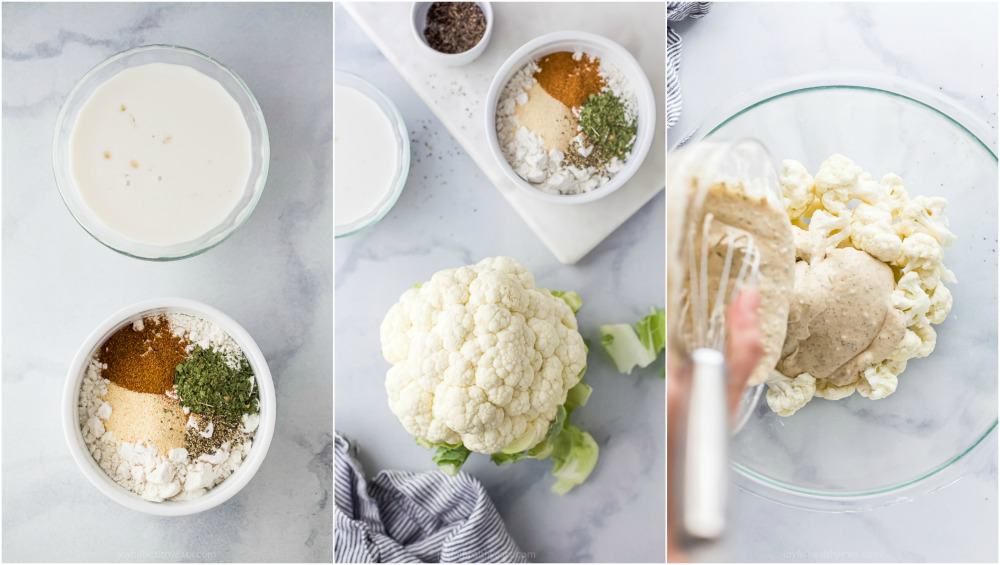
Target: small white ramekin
606,50
71,421
418,19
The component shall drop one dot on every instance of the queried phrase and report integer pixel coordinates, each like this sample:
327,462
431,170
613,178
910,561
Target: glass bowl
81,93
857,453
402,153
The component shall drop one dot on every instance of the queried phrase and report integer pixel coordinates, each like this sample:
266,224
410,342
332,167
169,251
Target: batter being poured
868,283
850,276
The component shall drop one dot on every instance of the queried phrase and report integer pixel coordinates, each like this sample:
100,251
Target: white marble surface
738,48
449,215
274,276
456,96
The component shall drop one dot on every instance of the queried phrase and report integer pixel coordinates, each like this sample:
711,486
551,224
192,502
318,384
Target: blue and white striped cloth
676,12
403,517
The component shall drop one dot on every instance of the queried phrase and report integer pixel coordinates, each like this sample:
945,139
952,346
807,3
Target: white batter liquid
366,156
161,153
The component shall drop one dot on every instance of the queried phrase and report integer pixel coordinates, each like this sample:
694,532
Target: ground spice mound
142,356
568,78
145,418
552,120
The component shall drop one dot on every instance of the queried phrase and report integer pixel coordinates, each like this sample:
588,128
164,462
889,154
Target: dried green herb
207,384
607,126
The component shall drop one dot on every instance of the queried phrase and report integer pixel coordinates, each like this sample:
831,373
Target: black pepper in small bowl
454,27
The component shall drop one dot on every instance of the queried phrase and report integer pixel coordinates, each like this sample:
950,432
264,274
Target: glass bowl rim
392,113
258,185
827,500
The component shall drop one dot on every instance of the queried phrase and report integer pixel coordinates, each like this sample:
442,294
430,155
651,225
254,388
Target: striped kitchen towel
404,517
678,11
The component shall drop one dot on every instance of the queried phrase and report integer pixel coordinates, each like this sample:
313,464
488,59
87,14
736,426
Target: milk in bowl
160,153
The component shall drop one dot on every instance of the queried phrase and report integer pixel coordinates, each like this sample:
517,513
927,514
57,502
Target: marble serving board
456,94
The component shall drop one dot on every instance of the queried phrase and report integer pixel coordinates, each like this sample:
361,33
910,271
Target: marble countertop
274,276
449,215
739,46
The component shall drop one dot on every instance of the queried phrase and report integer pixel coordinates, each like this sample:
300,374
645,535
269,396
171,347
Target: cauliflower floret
923,254
796,187
928,340
880,381
924,215
908,348
872,231
826,389
786,395
910,299
866,189
834,182
920,252
877,382
481,357
895,193
808,246
941,301
826,231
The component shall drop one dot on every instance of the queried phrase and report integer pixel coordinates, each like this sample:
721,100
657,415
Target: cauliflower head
481,357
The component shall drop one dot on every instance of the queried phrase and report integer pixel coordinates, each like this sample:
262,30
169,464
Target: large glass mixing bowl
857,453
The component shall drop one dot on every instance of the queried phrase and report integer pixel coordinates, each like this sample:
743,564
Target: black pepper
222,432
454,27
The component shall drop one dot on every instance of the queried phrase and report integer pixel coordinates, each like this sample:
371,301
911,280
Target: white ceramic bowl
259,146
71,421
606,50
418,19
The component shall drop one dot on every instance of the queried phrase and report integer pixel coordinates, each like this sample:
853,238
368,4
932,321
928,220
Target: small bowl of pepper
169,407
452,33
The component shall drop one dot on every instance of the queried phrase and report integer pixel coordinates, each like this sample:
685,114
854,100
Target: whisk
708,313
707,247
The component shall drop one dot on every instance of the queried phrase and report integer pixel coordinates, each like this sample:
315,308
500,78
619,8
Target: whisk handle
706,447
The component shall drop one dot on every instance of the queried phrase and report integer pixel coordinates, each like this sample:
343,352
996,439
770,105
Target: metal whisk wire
708,316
